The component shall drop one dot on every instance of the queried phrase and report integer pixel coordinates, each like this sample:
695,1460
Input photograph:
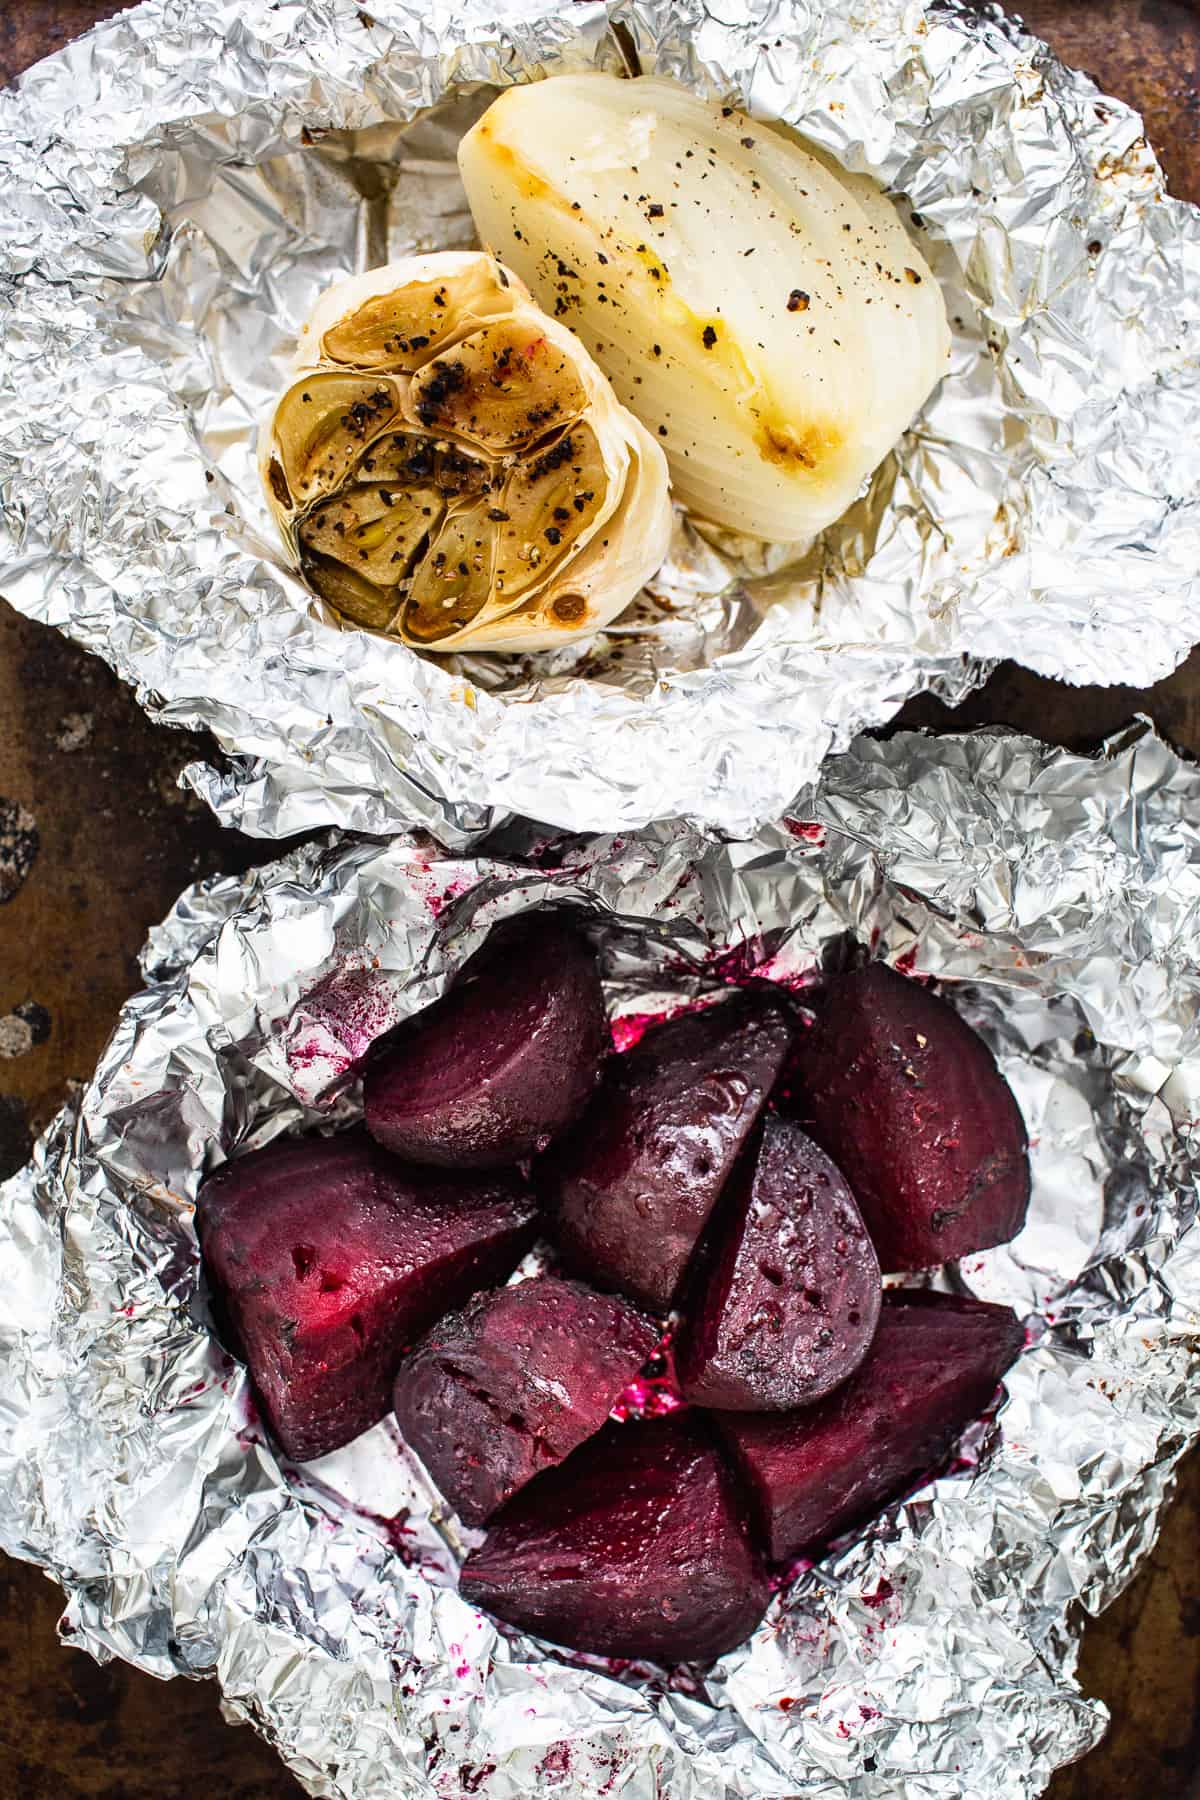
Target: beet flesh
629,1191
933,1367
784,1308
502,1062
909,1103
515,1381
635,1546
328,1257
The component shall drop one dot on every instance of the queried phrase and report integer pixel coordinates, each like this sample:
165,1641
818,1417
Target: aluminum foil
179,186
1057,900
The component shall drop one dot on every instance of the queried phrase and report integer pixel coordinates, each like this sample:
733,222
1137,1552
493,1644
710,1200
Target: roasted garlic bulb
451,467
764,312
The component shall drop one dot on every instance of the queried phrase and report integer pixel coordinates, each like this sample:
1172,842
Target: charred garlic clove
451,467
764,312
550,503
373,529
502,388
401,327
321,426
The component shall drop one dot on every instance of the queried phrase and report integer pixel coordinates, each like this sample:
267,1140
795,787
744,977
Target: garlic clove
375,531
412,459
503,387
360,601
372,321
549,507
321,427
454,582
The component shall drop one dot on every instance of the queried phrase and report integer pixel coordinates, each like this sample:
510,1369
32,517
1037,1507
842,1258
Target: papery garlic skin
449,465
762,311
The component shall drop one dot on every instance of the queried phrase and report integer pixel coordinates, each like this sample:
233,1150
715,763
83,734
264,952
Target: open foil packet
1057,900
182,183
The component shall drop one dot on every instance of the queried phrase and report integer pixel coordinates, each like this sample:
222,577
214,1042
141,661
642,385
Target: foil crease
1056,900
180,184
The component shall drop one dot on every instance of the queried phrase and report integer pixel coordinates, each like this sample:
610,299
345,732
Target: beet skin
629,1190
933,1367
328,1257
908,1101
513,1383
635,1546
502,1062
785,1307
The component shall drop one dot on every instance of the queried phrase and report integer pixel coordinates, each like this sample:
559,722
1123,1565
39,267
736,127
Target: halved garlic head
451,467
762,311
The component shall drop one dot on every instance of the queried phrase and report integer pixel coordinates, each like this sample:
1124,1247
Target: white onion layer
764,313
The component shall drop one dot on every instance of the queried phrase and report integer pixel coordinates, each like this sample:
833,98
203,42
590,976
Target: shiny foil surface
182,183
1057,902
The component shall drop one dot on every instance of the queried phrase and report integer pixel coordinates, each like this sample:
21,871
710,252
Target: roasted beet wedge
908,1101
933,1367
784,1304
629,1190
328,1257
635,1546
513,1383
502,1062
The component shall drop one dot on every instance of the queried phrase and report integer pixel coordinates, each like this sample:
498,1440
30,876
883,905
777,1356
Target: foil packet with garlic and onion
897,303
1055,901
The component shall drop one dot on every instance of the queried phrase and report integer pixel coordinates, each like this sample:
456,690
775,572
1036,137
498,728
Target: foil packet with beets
1052,900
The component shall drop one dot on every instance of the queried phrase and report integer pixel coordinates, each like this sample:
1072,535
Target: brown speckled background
96,841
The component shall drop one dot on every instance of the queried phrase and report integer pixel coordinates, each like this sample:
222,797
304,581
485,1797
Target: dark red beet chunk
513,1383
787,1306
630,1189
328,1257
635,1546
933,1367
502,1062
908,1101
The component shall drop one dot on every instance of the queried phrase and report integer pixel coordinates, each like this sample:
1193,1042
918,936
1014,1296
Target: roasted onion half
763,311
450,467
